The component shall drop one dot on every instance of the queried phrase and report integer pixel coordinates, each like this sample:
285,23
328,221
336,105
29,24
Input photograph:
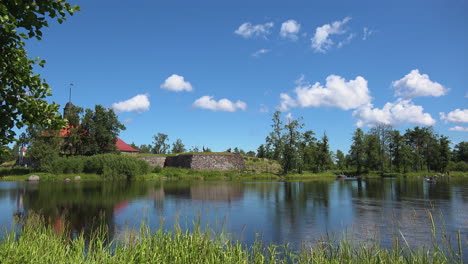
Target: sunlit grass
39,243
181,173
44,176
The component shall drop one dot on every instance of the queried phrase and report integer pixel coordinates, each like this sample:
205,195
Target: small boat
341,176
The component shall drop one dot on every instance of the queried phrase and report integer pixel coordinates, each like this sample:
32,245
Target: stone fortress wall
154,161
214,161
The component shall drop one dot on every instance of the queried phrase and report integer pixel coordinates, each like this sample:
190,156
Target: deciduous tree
340,160
178,146
160,143
23,92
356,152
292,138
274,140
323,154
99,130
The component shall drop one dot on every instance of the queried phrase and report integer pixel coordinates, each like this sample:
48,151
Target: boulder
67,179
33,178
77,178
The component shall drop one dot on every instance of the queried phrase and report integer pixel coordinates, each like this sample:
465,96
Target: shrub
157,169
74,164
458,166
108,165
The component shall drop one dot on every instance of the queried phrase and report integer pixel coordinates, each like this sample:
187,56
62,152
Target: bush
108,165
117,166
458,166
157,169
74,164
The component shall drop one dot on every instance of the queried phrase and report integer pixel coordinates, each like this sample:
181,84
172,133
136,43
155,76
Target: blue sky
337,64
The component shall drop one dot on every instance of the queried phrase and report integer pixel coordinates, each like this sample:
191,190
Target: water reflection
291,212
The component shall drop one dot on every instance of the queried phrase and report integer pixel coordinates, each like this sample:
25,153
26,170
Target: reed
38,243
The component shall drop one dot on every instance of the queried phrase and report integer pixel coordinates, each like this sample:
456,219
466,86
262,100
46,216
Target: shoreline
186,174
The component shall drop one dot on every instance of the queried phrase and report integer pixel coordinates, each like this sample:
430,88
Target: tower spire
69,104
69,95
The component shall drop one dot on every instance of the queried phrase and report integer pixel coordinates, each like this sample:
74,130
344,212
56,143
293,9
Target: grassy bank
39,243
175,154
112,167
180,174
44,176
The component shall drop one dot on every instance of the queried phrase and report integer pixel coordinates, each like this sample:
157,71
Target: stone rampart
154,161
206,161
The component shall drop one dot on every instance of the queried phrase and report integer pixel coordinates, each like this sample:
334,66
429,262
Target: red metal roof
122,146
65,131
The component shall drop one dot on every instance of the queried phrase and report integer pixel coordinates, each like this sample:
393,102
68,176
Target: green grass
308,174
180,173
207,153
39,243
257,169
413,174
8,164
423,173
262,165
149,155
44,176
185,153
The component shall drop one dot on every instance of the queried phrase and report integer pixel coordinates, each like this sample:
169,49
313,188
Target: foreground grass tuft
41,244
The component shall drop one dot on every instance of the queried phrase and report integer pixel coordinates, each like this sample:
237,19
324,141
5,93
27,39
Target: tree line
382,149
161,145
89,132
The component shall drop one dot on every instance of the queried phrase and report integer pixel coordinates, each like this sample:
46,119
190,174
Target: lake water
281,212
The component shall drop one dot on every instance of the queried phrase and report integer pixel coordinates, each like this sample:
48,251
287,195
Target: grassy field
40,243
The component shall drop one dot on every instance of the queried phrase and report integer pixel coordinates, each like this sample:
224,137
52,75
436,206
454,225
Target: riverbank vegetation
87,146
383,150
40,243
106,166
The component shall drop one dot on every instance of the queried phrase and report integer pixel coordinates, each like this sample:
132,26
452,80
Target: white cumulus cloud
456,116
337,92
207,102
321,42
138,103
415,84
400,112
366,33
260,52
290,29
286,102
459,129
176,83
247,30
